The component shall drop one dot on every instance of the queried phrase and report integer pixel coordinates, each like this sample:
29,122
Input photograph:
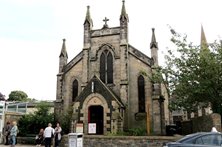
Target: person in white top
214,129
48,135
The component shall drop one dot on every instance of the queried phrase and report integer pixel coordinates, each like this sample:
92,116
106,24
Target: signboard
79,128
92,128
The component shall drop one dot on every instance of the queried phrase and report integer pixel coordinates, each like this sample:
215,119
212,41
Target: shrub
32,123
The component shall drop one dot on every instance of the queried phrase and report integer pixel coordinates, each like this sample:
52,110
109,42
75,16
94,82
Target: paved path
18,145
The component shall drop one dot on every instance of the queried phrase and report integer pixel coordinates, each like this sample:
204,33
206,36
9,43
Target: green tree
193,74
65,120
2,97
18,96
32,123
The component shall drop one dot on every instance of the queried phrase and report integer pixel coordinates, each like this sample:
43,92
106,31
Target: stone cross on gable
105,20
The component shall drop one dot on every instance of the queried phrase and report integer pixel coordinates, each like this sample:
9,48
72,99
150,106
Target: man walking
48,134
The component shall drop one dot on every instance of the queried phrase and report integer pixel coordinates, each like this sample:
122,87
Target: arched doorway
95,115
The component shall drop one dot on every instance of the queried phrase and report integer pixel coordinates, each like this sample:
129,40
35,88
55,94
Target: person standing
58,135
48,134
13,133
7,132
214,129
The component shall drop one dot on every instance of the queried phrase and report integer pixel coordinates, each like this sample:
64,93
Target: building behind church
108,83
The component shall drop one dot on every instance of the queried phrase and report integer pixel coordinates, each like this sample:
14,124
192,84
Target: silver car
201,139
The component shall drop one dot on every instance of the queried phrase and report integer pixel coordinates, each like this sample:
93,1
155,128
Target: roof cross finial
105,20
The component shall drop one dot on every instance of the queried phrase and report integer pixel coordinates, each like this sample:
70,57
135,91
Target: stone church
108,82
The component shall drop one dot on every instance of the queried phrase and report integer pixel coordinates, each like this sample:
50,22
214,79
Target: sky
31,33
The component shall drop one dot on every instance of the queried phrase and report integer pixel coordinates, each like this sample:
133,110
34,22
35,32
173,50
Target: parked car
201,139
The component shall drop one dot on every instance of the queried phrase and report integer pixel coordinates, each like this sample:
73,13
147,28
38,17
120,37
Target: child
39,138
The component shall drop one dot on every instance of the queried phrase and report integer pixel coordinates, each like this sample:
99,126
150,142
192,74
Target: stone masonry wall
122,141
202,124
205,123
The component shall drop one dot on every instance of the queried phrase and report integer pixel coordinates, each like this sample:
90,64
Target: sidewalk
18,145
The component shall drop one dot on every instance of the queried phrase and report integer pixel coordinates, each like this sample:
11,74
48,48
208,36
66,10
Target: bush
32,123
137,132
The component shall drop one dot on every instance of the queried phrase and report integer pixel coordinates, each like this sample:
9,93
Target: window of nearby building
74,90
22,107
141,93
106,67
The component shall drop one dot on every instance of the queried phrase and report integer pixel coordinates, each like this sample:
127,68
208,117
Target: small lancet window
141,93
74,90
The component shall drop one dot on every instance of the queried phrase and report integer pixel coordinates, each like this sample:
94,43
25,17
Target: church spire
203,40
154,48
153,40
124,24
88,17
63,57
63,51
87,29
124,15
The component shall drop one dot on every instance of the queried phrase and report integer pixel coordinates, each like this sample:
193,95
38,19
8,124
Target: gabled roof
132,50
139,55
101,88
73,62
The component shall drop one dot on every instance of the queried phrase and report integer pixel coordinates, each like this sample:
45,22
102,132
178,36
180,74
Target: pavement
19,145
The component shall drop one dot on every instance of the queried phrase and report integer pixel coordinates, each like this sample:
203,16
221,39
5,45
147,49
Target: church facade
108,82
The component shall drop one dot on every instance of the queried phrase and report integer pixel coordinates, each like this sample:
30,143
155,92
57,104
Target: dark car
201,139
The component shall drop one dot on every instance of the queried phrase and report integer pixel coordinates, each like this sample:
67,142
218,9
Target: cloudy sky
31,33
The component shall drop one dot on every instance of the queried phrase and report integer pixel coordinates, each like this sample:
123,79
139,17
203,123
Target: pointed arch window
75,86
106,67
141,93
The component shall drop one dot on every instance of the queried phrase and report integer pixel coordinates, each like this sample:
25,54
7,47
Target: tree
65,120
2,97
32,123
18,96
193,74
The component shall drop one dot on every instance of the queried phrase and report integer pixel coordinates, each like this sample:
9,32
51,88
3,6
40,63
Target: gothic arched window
106,67
74,90
141,93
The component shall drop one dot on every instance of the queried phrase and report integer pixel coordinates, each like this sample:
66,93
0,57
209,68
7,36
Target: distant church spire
203,40
88,17
63,51
153,40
